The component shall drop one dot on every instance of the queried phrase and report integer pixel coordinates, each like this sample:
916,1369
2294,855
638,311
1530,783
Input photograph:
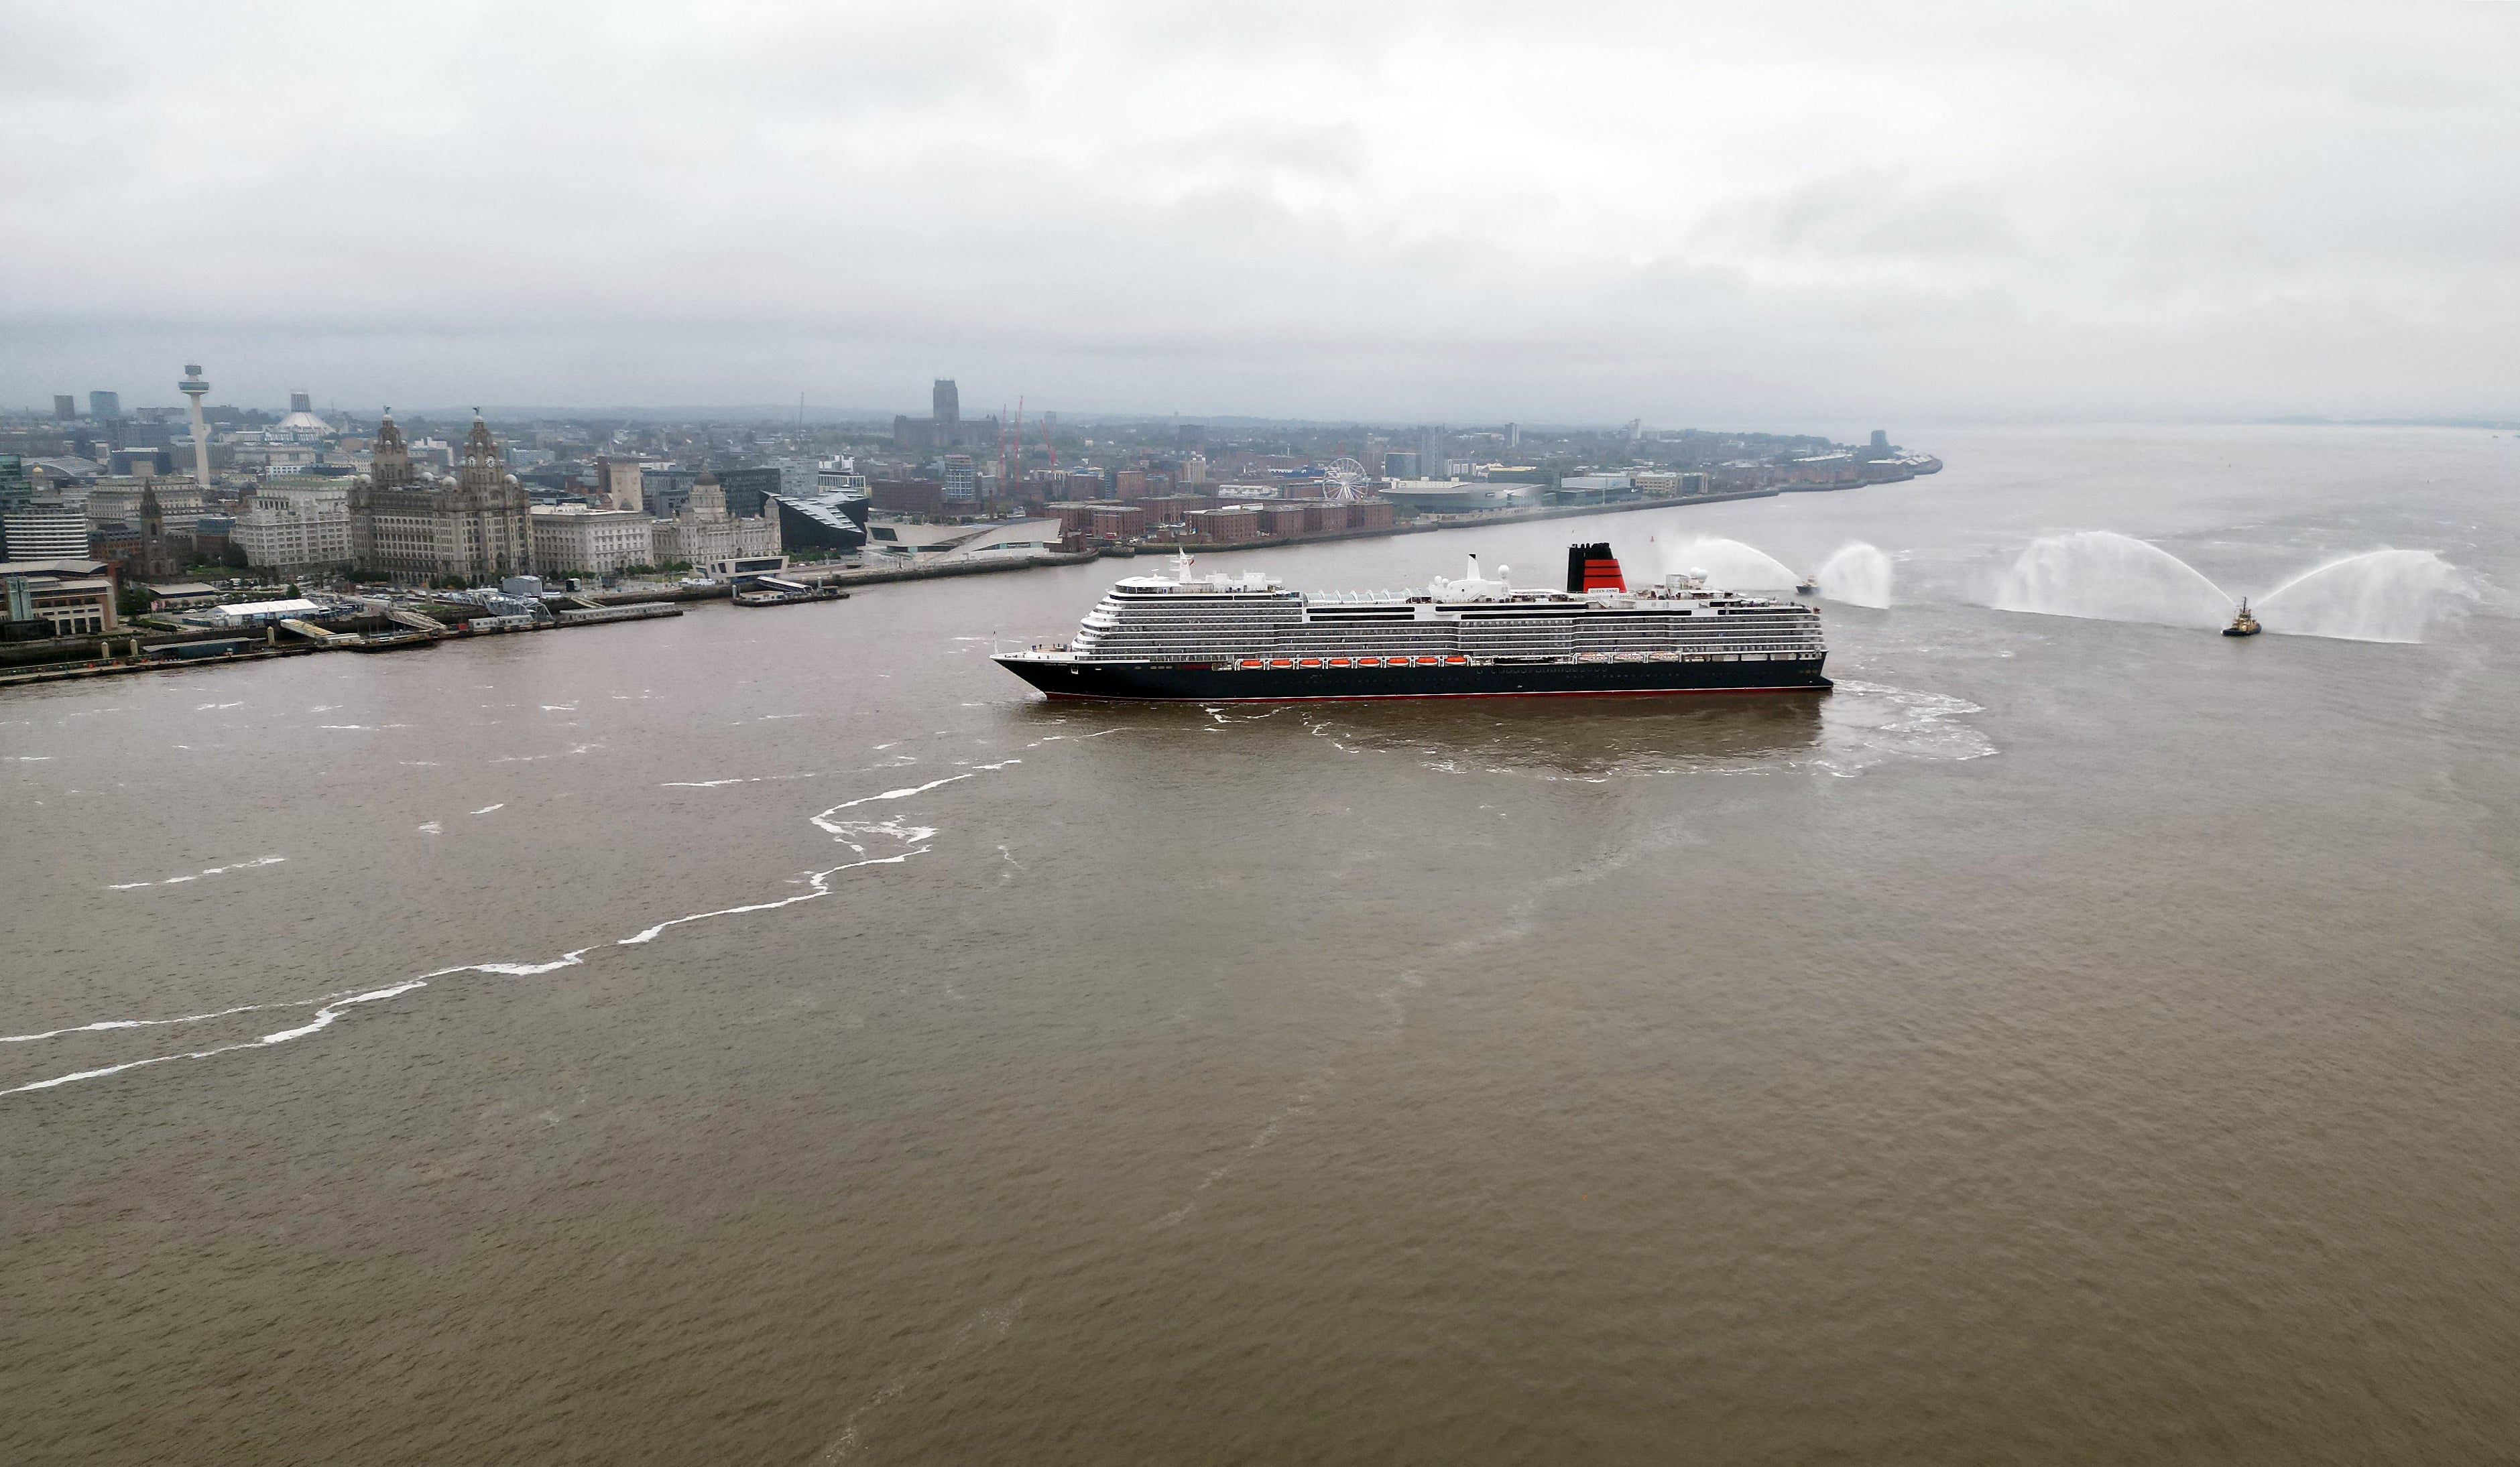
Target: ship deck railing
1264,656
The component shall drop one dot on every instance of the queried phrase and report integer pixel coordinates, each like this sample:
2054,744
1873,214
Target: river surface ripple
776,1036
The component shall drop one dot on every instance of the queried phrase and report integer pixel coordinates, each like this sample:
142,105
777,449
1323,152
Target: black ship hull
1141,681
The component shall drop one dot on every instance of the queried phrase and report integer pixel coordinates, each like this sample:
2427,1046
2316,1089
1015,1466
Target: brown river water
777,1036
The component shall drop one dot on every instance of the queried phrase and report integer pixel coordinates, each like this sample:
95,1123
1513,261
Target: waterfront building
1594,488
1284,518
1459,496
574,540
413,527
822,521
1111,521
705,534
71,596
1167,510
1226,524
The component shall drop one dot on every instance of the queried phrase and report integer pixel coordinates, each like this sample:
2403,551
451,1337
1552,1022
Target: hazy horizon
1826,215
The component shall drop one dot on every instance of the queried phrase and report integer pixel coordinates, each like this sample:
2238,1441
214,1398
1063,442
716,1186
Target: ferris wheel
1344,476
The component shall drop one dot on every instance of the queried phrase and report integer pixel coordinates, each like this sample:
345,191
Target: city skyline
1960,215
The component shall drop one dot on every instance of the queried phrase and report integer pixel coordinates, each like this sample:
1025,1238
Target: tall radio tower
194,389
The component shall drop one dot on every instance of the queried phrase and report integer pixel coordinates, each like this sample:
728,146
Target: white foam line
486,809
215,870
323,1020
904,793
820,880
105,1024
917,836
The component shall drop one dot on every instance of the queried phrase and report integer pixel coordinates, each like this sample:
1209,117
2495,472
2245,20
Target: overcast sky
1735,213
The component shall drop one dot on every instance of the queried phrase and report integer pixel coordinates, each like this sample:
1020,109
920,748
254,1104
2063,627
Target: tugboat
2243,625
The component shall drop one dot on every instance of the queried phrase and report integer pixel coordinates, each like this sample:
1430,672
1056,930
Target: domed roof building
301,426
413,528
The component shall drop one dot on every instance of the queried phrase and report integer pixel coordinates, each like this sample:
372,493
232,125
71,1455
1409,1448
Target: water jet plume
1859,575
2105,576
1730,565
2378,596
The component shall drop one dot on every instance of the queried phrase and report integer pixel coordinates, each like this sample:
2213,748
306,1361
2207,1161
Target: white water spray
1730,565
2378,596
2107,576
1859,574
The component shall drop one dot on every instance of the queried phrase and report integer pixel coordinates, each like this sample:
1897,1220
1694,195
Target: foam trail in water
1730,564
2101,575
215,870
1857,574
2378,596
102,1025
323,1020
850,833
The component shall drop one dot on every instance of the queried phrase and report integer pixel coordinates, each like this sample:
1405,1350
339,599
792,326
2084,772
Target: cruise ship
1186,637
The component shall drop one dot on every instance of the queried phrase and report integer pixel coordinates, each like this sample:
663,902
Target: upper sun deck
1671,592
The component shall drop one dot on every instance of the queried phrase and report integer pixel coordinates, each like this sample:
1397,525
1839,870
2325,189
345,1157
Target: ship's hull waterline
1282,684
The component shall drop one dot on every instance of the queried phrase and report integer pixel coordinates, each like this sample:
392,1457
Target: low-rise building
1116,522
1168,508
1226,524
179,596
265,614
68,598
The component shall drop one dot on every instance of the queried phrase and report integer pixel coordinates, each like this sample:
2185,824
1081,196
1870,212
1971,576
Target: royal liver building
416,527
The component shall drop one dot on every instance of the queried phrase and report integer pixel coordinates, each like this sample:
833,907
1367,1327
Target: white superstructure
1232,619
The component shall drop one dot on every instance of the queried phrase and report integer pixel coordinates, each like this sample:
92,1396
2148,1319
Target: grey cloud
1401,210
